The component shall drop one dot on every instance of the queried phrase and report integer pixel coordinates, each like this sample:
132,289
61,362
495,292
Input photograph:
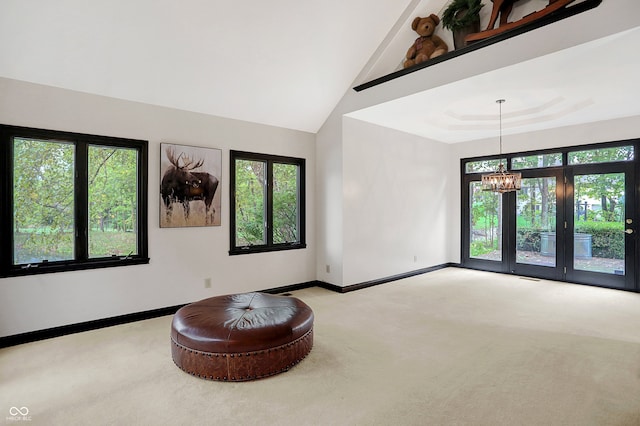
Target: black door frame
627,281
556,272
564,206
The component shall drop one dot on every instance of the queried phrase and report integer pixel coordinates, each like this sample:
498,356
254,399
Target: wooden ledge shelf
531,22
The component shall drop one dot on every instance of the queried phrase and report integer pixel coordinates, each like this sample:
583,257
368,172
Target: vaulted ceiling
280,62
287,63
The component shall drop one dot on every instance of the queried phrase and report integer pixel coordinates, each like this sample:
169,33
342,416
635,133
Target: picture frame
190,178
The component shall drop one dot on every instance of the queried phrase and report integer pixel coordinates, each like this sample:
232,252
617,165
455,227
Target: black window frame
269,160
81,259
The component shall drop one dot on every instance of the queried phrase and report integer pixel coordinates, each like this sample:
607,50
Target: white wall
181,258
396,187
329,201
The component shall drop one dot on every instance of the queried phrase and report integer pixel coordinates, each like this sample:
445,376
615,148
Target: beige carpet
452,347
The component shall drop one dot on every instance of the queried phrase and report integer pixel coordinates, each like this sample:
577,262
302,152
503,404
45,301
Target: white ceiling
288,63
284,63
595,81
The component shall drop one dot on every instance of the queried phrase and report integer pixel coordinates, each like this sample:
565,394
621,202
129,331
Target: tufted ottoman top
241,322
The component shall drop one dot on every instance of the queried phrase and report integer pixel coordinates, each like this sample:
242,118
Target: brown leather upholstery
241,336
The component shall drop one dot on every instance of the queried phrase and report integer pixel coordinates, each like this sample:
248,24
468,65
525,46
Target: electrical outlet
415,259
328,269
207,283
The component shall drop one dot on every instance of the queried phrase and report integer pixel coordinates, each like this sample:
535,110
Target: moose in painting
181,184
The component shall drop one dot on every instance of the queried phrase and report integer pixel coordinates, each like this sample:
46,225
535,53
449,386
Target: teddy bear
428,45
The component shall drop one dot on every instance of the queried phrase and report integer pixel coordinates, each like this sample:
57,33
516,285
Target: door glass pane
599,201
250,202
43,200
113,201
486,223
285,203
536,222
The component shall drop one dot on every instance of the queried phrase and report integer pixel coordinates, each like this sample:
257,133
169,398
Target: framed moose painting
189,186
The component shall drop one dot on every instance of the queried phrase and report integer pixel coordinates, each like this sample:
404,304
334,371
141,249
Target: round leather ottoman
241,337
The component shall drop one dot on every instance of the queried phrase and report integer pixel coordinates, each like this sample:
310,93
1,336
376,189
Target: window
70,201
267,203
485,223
537,161
602,155
483,165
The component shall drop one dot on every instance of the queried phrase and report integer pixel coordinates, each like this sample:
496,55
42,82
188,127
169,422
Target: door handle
628,231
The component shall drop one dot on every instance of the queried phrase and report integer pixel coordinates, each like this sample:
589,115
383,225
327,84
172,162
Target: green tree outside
250,207
43,199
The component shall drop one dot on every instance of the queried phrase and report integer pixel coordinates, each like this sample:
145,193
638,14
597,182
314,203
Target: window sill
53,267
265,249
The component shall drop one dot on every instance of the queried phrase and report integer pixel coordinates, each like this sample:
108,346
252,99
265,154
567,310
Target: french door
537,243
572,221
603,254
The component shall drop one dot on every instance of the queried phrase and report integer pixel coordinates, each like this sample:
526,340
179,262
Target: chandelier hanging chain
500,102
501,180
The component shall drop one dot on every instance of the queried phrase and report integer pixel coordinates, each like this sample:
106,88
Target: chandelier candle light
501,180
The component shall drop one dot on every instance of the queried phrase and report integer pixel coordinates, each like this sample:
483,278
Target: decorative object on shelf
503,8
462,17
501,180
188,190
428,45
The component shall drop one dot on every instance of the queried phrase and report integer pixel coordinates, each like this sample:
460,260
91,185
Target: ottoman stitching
233,327
305,337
